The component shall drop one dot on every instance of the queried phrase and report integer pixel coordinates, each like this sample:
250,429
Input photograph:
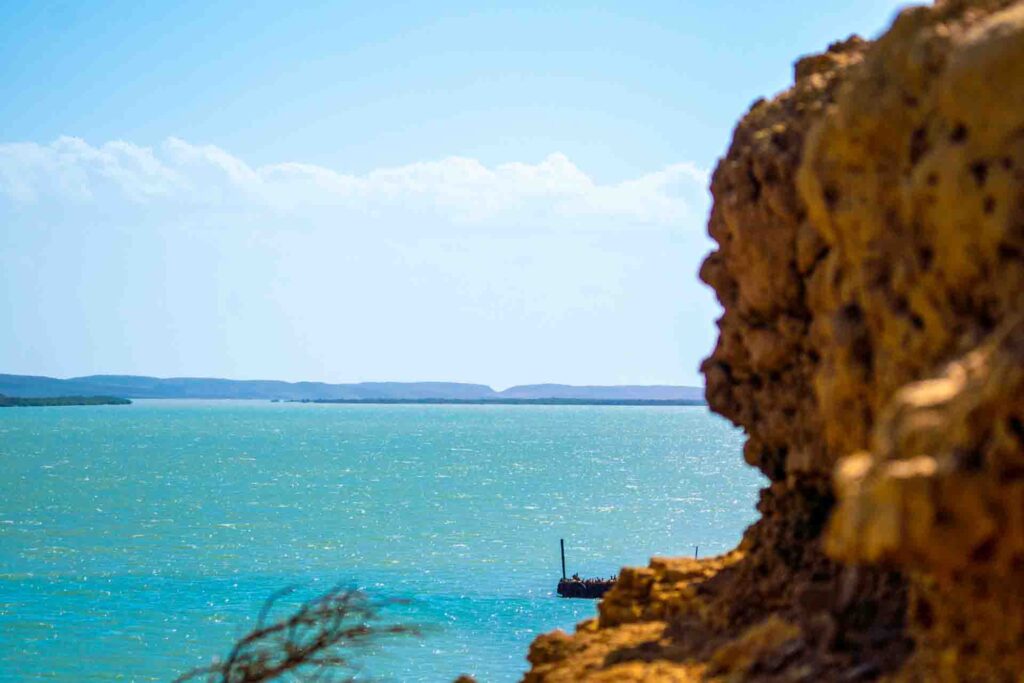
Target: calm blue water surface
137,542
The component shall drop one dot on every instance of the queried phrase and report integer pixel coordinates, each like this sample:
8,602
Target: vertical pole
563,556
695,551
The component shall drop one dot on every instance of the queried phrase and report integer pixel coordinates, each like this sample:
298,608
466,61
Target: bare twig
307,644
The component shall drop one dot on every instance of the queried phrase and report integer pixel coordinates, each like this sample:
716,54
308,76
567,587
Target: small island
25,402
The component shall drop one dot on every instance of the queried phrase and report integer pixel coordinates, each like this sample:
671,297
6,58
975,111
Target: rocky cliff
870,261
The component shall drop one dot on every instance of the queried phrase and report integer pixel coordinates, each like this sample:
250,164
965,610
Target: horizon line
354,382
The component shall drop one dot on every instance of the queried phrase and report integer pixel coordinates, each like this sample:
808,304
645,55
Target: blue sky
497,193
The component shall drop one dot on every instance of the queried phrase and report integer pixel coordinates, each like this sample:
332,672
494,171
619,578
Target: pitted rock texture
870,263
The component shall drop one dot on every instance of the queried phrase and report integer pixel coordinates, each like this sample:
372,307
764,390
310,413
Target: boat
575,587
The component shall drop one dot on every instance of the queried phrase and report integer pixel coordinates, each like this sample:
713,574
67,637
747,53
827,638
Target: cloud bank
179,179
185,259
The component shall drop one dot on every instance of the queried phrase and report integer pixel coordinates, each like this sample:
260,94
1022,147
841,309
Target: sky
502,193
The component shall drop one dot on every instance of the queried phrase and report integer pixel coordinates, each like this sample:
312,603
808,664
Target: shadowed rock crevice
870,263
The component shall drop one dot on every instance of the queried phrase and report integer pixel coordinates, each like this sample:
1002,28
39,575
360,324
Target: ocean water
138,542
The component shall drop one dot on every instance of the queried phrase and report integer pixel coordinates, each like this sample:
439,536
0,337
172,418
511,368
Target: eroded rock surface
870,223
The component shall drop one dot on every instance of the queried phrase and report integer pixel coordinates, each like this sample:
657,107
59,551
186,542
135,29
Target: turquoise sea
137,542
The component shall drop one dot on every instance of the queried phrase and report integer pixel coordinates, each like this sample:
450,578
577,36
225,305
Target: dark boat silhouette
575,587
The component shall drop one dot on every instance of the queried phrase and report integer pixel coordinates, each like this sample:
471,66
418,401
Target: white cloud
180,178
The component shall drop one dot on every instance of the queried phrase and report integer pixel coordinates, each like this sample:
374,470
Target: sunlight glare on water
136,542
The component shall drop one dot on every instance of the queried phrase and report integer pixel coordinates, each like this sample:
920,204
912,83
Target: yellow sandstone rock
870,263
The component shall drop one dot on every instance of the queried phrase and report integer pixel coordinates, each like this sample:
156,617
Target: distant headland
23,402
133,386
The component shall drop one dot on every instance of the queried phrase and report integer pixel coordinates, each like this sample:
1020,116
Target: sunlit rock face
870,230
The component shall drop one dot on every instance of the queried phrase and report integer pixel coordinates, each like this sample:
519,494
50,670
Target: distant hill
132,386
